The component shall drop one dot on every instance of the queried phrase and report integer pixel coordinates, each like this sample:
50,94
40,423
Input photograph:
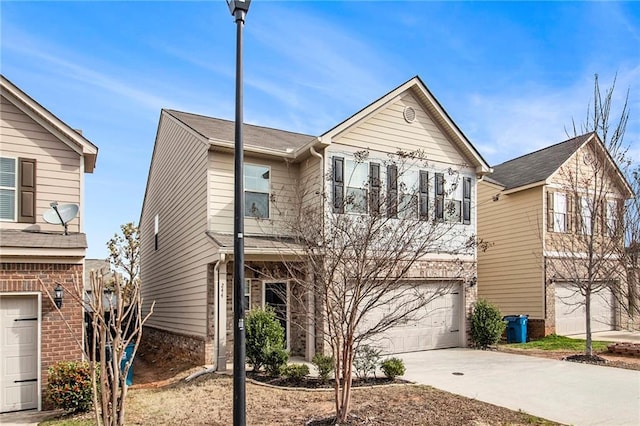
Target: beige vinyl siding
58,167
510,272
175,276
311,178
283,181
387,131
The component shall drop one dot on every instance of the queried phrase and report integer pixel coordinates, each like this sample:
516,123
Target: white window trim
349,184
557,213
14,189
268,193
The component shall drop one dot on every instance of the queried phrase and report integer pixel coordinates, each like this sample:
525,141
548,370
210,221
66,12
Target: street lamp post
238,9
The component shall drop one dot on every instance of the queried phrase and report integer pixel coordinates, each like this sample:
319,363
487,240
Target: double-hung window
448,199
257,185
559,212
408,196
357,177
8,188
17,190
352,181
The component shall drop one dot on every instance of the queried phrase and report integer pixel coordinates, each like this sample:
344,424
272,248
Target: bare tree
357,249
124,256
114,332
587,232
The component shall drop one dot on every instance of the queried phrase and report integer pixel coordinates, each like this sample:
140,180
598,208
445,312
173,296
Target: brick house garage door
438,327
18,353
570,318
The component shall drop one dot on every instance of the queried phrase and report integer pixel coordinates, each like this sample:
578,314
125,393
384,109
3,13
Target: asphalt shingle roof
29,239
536,166
257,136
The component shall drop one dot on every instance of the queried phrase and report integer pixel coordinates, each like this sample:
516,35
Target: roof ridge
232,121
546,148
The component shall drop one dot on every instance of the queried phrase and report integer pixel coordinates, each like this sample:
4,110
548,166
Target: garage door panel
436,325
571,313
18,353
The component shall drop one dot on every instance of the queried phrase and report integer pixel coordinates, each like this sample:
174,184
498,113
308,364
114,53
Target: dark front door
275,296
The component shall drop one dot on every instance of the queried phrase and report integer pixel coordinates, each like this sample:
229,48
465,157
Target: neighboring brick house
42,160
186,222
536,211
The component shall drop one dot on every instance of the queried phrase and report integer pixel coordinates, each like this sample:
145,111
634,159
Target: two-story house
552,218
187,218
42,160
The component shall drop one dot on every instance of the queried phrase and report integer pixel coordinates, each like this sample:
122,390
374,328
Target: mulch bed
315,383
586,359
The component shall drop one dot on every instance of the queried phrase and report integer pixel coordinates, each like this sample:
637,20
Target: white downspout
216,336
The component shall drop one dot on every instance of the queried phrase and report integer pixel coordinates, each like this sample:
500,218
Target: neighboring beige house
42,160
530,213
186,222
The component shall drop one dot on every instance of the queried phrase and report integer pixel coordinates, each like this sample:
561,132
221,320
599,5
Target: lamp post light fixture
58,292
238,9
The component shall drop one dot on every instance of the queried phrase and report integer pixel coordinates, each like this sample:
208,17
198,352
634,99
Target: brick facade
61,332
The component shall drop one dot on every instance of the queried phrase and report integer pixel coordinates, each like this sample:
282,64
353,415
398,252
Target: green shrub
69,386
365,361
486,324
264,335
324,364
275,360
393,367
295,371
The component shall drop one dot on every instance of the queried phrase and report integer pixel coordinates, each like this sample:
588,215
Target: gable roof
416,86
53,124
255,138
538,166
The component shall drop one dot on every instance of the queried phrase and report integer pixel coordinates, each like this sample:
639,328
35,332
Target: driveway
562,391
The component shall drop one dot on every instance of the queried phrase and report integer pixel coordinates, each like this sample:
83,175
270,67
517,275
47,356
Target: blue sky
512,75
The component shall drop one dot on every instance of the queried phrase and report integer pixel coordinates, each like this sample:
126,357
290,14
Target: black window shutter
466,201
27,190
392,190
439,191
338,185
424,195
374,188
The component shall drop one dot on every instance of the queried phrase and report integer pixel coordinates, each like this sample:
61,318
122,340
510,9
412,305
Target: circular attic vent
409,114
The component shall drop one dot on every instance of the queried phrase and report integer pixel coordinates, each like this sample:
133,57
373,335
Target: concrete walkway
562,391
29,417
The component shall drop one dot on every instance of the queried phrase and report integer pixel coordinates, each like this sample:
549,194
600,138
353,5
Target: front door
275,296
18,353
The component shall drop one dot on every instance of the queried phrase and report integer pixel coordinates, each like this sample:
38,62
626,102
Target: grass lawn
554,342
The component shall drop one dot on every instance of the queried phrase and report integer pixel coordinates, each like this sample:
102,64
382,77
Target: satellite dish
61,215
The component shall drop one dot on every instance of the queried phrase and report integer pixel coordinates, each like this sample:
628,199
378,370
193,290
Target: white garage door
18,353
438,326
570,316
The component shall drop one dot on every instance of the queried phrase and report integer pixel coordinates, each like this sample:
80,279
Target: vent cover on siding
409,114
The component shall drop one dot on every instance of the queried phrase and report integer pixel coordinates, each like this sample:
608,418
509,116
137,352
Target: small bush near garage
486,324
324,364
265,341
393,367
295,371
365,361
70,387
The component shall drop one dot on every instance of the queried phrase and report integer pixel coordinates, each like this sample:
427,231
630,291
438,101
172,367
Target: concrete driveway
562,391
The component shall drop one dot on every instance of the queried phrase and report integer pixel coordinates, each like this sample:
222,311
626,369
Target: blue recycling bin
516,328
127,357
